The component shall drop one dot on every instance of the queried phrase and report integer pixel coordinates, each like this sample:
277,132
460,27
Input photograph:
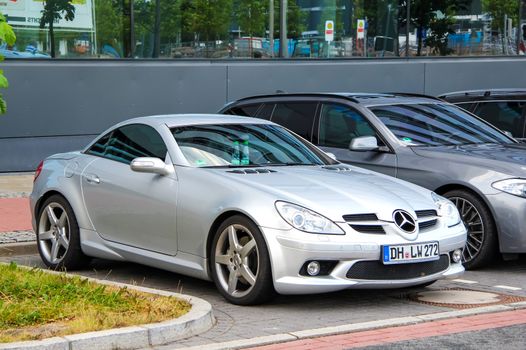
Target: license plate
408,253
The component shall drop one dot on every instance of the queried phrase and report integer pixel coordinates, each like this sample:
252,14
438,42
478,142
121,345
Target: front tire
481,245
58,235
240,262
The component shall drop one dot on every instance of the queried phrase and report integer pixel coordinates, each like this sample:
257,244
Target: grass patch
36,305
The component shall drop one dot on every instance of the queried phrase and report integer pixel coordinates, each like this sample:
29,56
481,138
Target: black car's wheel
58,235
481,245
240,262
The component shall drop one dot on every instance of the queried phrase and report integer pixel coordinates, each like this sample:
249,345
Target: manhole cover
460,297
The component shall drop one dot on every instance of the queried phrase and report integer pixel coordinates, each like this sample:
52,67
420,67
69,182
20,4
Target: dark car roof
366,99
484,95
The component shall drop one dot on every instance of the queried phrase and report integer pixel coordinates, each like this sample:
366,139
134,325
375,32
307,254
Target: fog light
456,256
313,268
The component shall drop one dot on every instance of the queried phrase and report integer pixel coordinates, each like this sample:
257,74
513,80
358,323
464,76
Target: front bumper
510,213
290,250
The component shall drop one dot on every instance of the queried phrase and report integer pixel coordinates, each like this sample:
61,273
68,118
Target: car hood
335,193
504,158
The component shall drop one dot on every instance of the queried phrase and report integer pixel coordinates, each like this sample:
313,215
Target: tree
497,9
435,15
53,12
252,16
108,24
8,37
209,19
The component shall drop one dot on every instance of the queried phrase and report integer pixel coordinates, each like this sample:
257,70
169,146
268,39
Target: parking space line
464,281
507,287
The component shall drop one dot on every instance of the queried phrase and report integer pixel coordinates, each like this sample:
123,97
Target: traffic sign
360,33
329,30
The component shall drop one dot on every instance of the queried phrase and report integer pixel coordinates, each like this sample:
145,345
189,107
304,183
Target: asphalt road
287,314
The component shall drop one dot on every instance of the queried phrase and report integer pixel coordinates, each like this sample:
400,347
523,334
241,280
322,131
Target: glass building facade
231,29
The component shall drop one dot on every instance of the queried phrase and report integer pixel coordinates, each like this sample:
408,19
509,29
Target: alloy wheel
473,222
237,260
54,233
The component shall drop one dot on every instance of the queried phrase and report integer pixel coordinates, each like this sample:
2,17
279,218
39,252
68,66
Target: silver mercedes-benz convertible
243,202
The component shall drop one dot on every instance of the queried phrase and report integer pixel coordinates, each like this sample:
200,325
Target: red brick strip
14,214
402,333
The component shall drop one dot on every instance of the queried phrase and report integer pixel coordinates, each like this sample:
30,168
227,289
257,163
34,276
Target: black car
504,108
423,140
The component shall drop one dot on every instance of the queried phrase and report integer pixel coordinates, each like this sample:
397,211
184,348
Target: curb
198,320
23,248
355,327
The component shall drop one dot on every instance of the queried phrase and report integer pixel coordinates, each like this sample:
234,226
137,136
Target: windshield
242,145
436,125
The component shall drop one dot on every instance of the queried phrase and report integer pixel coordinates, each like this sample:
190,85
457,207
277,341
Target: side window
466,105
339,124
265,112
296,116
97,149
129,142
507,116
246,110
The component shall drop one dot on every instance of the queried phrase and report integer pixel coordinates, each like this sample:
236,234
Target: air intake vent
425,213
336,168
364,223
375,270
372,229
427,224
360,217
251,171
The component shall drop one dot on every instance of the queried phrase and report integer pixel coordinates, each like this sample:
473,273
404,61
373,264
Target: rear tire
58,237
482,243
240,263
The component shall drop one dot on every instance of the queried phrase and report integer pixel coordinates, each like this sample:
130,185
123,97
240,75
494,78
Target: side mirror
507,133
151,165
364,143
331,155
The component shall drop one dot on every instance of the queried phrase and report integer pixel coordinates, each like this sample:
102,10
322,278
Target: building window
229,29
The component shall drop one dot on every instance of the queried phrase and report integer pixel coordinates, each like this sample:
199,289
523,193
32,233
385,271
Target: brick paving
14,214
395,334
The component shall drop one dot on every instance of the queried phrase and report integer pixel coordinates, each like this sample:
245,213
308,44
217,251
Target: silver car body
167,221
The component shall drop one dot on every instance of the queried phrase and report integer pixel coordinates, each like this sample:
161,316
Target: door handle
92,179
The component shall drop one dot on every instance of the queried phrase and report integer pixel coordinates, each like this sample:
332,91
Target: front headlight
446,209
516,187
306,220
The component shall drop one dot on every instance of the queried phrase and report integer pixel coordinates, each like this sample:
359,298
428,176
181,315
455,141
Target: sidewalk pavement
15,217
383,336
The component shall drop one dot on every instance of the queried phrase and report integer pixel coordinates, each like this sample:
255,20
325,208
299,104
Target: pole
519,27
283,47
94,47
132,29
407,23
271,27
157,30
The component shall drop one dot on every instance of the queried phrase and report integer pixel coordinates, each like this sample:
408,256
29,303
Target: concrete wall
56,106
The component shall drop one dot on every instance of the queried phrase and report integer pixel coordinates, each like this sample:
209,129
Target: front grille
360,217
375,270
425,213
374,229
427,224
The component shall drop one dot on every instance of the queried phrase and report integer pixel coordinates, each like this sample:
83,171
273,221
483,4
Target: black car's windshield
233,145
436,125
